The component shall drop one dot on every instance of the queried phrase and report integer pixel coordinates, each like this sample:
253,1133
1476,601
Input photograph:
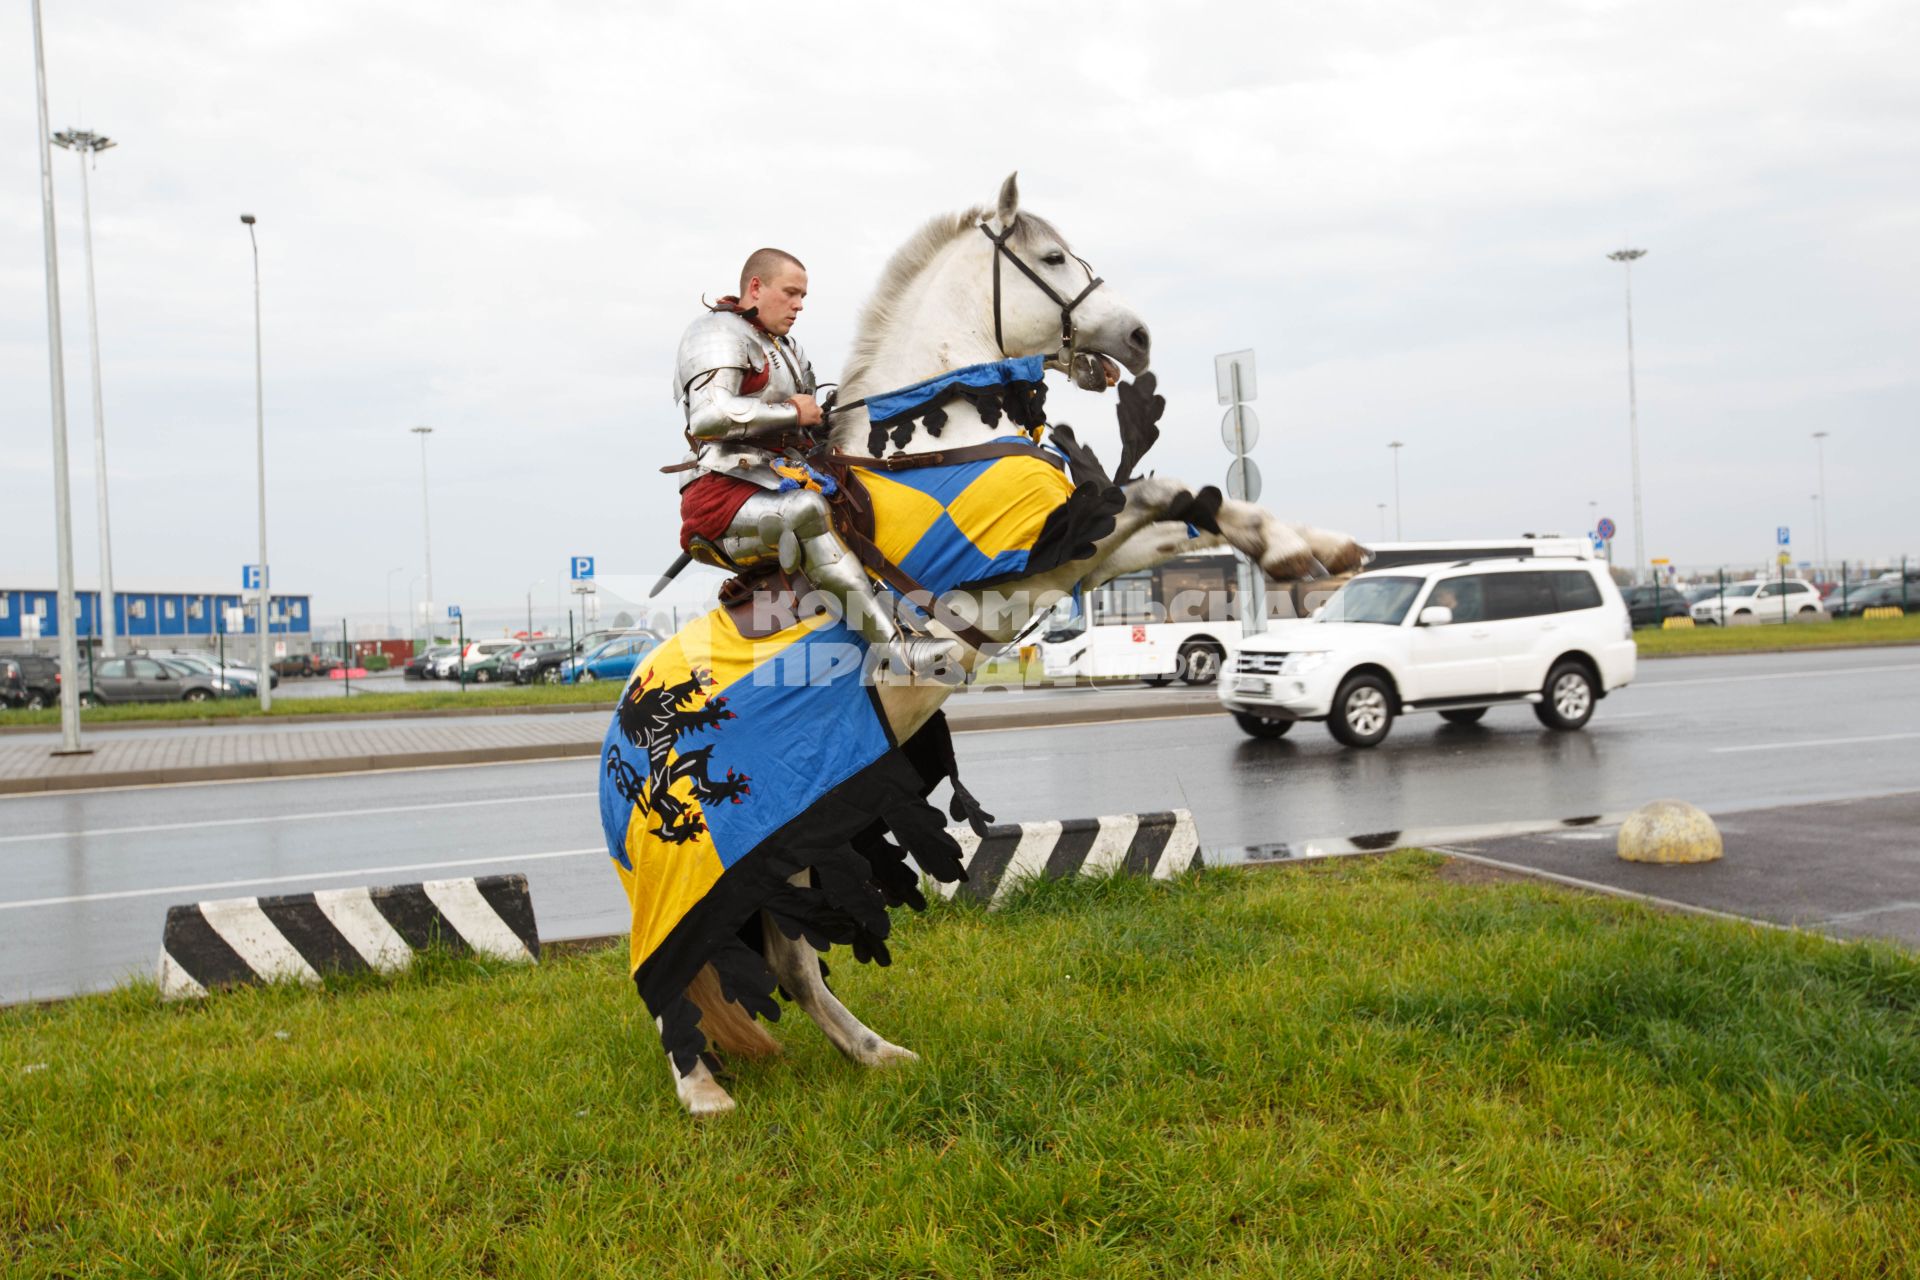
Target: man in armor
747,392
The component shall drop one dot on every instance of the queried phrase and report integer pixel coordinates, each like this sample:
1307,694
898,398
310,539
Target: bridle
1067,332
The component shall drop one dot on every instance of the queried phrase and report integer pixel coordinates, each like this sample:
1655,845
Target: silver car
144,679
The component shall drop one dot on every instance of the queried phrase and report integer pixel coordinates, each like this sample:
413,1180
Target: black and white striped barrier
303,935
1151,844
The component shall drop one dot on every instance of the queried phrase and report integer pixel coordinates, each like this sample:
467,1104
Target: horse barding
764,796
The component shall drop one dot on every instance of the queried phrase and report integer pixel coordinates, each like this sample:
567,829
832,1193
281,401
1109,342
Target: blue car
613,660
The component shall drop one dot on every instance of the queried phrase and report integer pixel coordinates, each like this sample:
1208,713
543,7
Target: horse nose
1142,340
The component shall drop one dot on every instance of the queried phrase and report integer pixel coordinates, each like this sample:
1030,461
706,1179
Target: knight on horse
746,390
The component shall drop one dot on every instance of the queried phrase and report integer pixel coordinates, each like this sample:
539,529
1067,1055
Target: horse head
982,284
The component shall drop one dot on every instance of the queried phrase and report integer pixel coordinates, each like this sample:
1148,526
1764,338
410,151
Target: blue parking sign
1780,535
582,567
453,611
249,577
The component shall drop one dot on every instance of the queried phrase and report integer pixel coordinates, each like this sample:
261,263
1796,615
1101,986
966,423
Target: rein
1002,250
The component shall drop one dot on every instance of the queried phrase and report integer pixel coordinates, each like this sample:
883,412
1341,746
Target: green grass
1360,1068
1780,636
600,693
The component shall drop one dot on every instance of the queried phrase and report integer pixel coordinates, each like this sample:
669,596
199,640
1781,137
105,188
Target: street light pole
86,145
1820,448
413,619
1383,520
536,582
426,522
1626,258
1396,446
66,614
265,670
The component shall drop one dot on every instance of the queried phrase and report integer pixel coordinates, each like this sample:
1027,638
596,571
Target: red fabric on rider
709,504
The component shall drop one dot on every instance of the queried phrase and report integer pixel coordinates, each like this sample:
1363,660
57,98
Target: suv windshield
1743,588
1380,600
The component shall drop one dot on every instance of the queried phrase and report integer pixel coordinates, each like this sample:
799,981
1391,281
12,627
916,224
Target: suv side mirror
1436,615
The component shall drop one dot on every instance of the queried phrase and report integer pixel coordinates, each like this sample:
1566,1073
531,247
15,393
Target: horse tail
726,1025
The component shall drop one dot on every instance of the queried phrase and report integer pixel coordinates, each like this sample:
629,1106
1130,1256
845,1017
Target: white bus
1182,619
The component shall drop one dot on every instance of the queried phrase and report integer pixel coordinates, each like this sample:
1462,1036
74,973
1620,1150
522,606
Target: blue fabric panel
944,557
996,373
942,484
806,723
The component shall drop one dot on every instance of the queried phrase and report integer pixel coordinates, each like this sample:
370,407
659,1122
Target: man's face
779,298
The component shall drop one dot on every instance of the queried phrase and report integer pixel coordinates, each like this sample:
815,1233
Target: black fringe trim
1022,403
856,873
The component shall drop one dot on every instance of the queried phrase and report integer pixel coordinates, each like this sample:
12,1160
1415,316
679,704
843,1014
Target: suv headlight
1298,664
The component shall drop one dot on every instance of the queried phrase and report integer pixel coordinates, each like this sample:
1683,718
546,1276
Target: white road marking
187,889
1815,742
294,817
1776,675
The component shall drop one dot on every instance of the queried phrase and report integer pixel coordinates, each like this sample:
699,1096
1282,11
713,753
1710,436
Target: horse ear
1009,208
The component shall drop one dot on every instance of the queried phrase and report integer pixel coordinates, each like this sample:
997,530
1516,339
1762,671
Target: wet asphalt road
88,876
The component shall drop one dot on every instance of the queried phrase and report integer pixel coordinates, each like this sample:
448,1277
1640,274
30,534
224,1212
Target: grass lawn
1356,1068
1780,636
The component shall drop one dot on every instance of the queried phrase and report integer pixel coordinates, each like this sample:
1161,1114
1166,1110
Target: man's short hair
763,262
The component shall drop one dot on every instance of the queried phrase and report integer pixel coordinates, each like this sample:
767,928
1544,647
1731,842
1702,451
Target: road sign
1240,443
249,577
1660,560
1786,558
453,611
1599,543
1243,480
1780,536
1605,529
582,568
1224,367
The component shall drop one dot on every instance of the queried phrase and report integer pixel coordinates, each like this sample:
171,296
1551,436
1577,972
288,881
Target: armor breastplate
732,381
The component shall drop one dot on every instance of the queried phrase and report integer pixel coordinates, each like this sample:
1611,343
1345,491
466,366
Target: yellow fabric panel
1004,509
666,880
901,516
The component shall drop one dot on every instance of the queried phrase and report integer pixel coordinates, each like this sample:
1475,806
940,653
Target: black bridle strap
1066,308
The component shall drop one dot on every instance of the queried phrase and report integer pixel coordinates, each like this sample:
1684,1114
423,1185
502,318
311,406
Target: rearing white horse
968,289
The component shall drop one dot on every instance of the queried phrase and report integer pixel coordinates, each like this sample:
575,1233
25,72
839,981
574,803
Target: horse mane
905,266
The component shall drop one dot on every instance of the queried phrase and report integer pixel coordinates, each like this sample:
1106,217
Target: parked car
613,660
1761,600
205,661
539,660
143,679
1456,638
230,681
420,665
29,680
1650,605
1874,595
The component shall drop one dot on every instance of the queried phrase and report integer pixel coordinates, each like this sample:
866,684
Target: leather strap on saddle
952,457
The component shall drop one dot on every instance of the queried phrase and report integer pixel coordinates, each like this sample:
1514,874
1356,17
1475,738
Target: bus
1180,620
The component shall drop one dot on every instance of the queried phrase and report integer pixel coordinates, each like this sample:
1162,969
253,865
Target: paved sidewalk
264,749
1848,868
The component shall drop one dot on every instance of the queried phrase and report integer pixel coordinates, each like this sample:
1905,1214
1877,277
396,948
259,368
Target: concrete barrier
1152,844
304,935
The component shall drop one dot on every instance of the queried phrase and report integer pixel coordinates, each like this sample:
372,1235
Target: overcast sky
496,219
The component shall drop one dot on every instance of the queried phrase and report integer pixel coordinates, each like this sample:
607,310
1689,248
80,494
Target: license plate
1250,686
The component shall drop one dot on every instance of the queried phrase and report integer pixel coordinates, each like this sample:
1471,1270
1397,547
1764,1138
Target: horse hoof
704,1098
888,1055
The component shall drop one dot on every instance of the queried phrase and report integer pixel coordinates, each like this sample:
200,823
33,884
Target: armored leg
795,528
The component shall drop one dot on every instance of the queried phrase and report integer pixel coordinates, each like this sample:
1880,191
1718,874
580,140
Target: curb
240,941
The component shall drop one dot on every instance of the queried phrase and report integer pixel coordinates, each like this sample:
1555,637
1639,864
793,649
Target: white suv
1761,600
1454,638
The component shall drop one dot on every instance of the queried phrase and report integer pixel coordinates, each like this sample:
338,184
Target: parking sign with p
582,568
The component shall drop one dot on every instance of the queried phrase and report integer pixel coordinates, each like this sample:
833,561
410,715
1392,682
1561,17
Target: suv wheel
1260,726
1362,711
482,676
550,676
197,695
36,702
1568,698
1200,662
587,676
88,700
1463,715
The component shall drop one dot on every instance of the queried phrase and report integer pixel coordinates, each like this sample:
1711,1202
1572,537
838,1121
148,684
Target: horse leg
795,963
1286,551
699,1092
